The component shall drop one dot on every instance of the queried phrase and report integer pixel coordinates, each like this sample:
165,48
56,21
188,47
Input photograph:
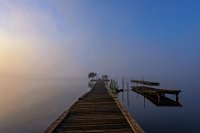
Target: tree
92,75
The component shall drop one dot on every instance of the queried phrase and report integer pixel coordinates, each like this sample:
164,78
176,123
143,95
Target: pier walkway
97,111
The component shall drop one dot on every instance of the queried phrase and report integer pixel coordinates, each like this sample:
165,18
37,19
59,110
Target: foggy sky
71,38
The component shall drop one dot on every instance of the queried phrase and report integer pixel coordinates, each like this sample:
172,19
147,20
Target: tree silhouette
92,75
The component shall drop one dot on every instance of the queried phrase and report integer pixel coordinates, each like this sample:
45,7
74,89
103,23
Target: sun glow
13,56
26,56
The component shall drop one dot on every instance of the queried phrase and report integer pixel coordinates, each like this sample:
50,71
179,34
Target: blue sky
123,37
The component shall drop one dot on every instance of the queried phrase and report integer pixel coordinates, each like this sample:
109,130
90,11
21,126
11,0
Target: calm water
30,106
153,119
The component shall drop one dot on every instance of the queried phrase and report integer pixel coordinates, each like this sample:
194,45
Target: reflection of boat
157,96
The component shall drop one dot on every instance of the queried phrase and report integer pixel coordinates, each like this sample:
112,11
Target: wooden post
163,94
122,89
127,85
177,99
158,95
144,102
143,85
123,83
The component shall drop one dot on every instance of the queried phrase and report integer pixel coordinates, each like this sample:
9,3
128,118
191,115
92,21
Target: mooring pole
177,99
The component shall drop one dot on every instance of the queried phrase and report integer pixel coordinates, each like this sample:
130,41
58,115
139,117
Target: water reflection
154,117
124,91
39,102
36,102
160,100
163,101
91,83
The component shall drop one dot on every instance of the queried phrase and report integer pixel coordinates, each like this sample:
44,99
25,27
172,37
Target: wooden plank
134,125
146,89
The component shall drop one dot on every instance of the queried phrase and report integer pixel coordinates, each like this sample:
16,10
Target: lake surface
168,119
32,105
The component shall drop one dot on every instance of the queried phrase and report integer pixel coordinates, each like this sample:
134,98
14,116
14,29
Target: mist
48,47
71,38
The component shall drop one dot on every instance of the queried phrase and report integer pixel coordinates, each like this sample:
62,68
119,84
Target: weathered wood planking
145,89
96,112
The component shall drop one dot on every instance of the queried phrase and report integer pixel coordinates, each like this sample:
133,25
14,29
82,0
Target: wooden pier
157,96
98,111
